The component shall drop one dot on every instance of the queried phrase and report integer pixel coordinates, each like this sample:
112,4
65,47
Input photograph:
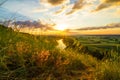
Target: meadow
31,57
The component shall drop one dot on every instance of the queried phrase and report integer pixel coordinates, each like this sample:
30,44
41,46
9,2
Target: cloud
60,10
111,1
118,11
71,12
90,1
106,4
34,24
55,2
80,4
108,26
45,5
77,6
65,4
50,4
102,6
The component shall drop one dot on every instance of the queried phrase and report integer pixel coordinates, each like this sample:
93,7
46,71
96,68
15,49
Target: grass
29,57
108,70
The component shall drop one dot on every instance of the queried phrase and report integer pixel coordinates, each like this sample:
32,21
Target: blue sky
72,13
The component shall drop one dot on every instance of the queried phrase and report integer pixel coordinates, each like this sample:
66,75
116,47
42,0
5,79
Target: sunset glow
61,27
59,15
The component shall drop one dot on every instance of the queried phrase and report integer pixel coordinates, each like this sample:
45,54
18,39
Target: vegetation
29,57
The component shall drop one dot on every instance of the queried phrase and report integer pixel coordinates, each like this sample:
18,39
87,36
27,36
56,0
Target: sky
72,14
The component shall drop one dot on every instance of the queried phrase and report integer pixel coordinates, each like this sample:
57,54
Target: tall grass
109,68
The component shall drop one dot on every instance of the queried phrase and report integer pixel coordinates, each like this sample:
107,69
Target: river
61,44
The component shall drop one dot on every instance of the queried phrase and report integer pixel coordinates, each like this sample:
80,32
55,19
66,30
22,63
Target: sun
61,27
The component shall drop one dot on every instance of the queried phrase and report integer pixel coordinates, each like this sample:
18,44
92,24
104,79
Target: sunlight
61,27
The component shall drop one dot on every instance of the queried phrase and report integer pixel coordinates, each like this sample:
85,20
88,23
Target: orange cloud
106,4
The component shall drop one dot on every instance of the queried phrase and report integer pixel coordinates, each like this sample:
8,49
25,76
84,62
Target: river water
61,44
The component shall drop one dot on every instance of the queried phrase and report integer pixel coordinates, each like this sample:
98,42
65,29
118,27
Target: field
30,57
101,41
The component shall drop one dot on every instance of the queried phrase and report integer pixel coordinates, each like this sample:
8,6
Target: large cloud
33,24
107,3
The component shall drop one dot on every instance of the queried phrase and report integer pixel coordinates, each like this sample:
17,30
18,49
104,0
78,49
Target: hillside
30,57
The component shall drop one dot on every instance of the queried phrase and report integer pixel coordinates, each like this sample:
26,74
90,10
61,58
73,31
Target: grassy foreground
29,57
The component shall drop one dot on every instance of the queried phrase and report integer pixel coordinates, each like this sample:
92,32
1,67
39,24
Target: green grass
29,57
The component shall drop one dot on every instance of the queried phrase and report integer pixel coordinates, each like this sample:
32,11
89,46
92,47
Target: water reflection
60,45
